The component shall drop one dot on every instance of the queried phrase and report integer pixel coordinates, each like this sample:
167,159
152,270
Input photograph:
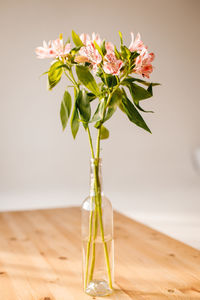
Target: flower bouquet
110,77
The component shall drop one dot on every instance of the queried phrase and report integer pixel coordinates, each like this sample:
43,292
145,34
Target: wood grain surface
40,259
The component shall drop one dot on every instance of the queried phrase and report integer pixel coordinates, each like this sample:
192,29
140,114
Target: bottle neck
96,177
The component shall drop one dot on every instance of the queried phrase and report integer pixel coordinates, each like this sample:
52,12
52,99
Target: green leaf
104,133
83,103
134,55
116,97
76,39
75,117
65,109
125,52
117,54
101,107
103,47
114,102
65,66
109,79
141,109
150,89
132,79
132,113
63,115
98,115
68,101
98,48
45,73
75,122
75,50
87,79
91,96
138,93
54,74
110,111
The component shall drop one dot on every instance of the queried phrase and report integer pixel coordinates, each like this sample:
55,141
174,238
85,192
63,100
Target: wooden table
40,259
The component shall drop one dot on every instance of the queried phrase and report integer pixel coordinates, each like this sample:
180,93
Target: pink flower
89,54
137,44
60,49
96,38
109,47
46,51
112,65
85,38
54,49
143,62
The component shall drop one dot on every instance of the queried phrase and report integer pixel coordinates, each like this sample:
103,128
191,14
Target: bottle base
98,288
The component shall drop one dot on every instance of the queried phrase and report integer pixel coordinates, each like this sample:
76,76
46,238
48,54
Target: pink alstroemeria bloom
137,44
109,47
96,38
143,64
46,51
54,49
89,54
60,49
112,65
85,38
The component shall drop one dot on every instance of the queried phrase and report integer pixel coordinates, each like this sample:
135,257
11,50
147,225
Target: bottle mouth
94,161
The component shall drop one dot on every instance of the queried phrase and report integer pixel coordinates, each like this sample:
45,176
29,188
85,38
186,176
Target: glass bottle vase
97,237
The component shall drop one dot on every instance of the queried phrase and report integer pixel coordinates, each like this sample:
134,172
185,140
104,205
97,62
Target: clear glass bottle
97,237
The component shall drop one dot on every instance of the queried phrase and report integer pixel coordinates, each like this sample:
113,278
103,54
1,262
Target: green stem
99,208
72,76
93,244
90,221
95,216
88,250
68,77
90,141
105,246
98,144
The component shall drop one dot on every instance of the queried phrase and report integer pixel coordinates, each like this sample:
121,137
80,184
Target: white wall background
40,166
